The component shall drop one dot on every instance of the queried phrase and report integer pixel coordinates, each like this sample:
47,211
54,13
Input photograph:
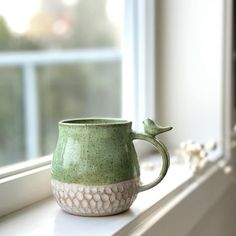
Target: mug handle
151,130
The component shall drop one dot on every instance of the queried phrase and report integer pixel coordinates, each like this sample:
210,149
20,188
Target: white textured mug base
101,200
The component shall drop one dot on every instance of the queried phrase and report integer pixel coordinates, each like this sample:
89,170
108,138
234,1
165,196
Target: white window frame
28,182
138,74
20,189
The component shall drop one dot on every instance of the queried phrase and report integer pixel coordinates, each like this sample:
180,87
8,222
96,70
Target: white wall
190,56
190,72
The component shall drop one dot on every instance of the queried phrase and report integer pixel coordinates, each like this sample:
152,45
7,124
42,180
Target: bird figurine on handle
153,129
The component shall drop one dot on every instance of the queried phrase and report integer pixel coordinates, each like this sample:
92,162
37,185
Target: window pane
76,91
37,88
56,24
11,116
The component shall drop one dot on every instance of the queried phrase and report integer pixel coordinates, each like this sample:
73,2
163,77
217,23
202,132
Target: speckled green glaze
94,152
98,152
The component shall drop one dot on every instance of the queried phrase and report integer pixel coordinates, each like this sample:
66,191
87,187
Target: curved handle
151,131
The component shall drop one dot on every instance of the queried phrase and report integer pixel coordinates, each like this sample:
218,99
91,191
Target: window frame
33,184
31,178
138,66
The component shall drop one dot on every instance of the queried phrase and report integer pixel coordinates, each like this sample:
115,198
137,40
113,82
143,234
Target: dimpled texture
99,200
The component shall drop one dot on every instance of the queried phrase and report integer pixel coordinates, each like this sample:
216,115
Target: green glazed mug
95,170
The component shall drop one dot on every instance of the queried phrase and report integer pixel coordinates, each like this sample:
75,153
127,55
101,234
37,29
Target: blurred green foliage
65,91
12,42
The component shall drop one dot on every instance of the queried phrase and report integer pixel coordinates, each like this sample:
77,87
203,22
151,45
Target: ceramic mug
95,170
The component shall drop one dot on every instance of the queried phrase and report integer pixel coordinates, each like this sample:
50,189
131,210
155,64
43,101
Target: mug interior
94,121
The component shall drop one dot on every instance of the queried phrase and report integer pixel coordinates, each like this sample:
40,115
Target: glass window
56,62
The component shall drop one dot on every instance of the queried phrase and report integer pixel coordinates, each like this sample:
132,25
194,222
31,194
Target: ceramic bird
151,128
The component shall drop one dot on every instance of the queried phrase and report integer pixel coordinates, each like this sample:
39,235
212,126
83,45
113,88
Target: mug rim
94,121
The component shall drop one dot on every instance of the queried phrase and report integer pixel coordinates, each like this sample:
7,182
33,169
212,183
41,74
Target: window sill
45,217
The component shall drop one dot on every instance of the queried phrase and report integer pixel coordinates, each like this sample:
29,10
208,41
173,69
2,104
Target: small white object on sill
195,154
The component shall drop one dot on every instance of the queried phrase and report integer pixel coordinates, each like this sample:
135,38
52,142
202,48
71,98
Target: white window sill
150,207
